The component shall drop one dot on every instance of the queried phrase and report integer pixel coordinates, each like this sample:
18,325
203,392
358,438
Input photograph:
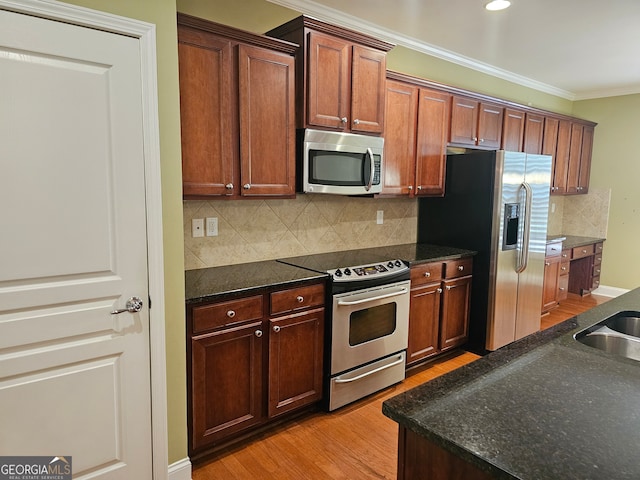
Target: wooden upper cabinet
416,131
513,132
209,161
237,111
400,138
346,85
561,160
575,153
434,113
476,123
533,133
585,159
329,77
267,122
341,76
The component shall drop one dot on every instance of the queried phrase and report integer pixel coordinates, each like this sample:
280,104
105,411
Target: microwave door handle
373,169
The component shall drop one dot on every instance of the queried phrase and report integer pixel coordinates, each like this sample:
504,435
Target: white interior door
74,379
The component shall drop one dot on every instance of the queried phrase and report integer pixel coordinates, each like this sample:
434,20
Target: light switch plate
380,217
212,226
197,227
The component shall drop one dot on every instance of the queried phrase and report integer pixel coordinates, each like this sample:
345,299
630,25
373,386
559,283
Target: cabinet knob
246,186
562,289
448,287
343,119
410,187
564,255
276,328
229,186
546,264
300,298
356,122
562,268
419,187
599,259
231,314
460,268
439,290
598,271
427,274
584,251
258,333
482,140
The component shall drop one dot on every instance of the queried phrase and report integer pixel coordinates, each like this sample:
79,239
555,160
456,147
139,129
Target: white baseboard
607,291
181,470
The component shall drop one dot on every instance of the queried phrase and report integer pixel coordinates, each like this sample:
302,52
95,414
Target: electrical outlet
197,227
212,226
380,217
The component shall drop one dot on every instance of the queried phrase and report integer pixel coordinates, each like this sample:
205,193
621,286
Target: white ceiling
575,49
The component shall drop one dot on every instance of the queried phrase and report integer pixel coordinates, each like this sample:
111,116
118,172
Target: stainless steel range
368,323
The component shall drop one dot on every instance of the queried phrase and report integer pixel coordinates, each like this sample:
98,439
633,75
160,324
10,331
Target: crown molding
608,92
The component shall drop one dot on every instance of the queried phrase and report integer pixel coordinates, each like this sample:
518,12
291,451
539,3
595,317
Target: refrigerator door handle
523,257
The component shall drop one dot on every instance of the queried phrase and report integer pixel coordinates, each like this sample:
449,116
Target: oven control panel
365,272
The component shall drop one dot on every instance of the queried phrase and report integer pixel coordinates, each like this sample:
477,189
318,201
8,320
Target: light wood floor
354,442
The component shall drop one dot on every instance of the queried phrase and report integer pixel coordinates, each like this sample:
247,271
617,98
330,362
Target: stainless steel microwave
341,163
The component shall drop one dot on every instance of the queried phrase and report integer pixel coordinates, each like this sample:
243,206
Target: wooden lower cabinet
244,372
439,309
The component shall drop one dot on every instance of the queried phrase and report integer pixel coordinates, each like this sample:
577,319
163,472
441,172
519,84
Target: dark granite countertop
545,407
571,241
208,283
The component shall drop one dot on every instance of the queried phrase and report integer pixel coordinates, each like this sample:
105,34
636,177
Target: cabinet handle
276,328
460,268
258,333
343,119
439,290
300,298
554,249
448,287
229,186
356,122
231,314
427,274
246,186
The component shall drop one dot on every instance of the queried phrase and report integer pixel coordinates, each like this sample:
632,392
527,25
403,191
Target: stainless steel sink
618,334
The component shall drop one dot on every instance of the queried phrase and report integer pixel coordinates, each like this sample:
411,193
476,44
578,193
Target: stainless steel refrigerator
495,203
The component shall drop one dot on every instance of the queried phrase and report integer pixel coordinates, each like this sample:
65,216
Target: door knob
133,305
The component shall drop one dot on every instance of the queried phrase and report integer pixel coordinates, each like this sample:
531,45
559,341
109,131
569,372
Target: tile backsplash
584,215
255,230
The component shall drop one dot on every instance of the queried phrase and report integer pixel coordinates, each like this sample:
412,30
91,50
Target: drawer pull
554,249
427,274
460,268
598,271
562,289
258,333
564,255
300,298
584,251
231,314
561,268
546,264
276,328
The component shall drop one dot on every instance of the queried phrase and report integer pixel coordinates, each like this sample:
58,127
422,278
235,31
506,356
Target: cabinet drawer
566,254
583,251
596,270
554,249
296,299
565,267
223,314
599,247
458,268
426,273
595,283
563,287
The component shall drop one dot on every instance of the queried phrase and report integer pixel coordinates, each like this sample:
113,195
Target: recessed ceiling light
497,5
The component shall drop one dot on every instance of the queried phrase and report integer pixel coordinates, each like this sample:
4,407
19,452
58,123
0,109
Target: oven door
369,324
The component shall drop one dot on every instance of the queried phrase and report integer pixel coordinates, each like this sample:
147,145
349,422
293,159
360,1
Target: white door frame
146,35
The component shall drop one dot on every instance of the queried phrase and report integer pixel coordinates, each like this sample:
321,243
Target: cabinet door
585,159
329,79
400,138
490,125
513,132
464,121
434,113
267,121
575,153
454,324
368,77
295,360
550,288
424,319
533,133
226,383
550,144
209,158
562,157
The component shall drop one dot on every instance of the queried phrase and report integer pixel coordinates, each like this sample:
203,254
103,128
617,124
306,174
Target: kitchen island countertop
545,407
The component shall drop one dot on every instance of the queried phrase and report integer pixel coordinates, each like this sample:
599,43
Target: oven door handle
371,299
375,370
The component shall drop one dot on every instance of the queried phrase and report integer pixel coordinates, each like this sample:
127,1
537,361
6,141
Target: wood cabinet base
418,459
